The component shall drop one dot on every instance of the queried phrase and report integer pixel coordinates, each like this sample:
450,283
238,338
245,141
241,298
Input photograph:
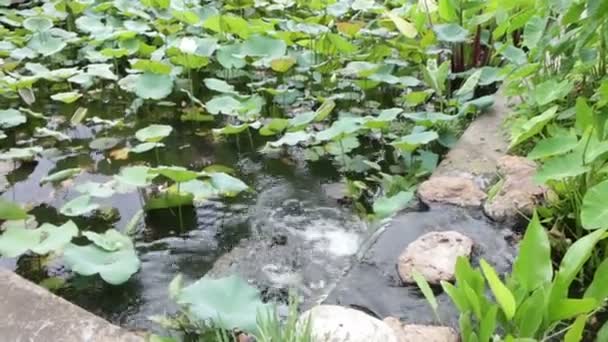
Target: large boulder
517,194
332,323
434,256
421,333
456,190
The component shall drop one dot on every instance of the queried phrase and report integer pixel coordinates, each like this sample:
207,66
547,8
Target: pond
285,196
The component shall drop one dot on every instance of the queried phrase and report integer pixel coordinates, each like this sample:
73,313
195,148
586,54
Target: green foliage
534,301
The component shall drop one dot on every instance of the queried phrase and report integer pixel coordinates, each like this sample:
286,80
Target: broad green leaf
553,146
282,64
114,267
175,173
411,142
100,190
223,105
80,205
11,211
470,84
275,126
67,97
78,116
503,296
575,334
405,27
533,31
447,10
226,184
514,55
594,213
228,302
37,24
291,139
602,334
533,266
324,110
386,206
451,33
220,86
153,86
200,190
584,115
457,296
426,290
17,240
11,118
153,133
598,289
145,147
561,167
61,175
533,126
550,91
262,46
530,313
138,176
111,240
571,264
152,67
104,143
566,309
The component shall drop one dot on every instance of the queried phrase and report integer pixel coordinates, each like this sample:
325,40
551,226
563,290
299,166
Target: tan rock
434,256
421,333
518,194
455,190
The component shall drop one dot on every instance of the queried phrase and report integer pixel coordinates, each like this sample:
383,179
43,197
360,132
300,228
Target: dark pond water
285,196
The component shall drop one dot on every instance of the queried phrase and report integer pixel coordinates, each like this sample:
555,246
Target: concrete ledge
31,313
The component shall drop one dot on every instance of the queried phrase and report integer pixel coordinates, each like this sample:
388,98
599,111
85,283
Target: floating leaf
114,267
176,173
11,211
153,133
61,175
78,116
80,205
219,86
226,184
145,147
153,86
138,176
37,24
17,240
101,190
228,302
386,206
282,64
104,143
68,97
111,240
11,118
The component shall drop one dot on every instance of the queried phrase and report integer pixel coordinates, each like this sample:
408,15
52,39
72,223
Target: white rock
332,323
454,190
434,256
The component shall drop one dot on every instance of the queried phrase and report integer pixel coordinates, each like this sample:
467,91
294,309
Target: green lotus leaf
46,44
61,175
111,240
17,240
220,86
262,46
11,211
228,302
230,57
104,143
226,184
67,97
100,190
153,86
145,147
138,176
291,139
80,205
201,190
11,118
24,154
176,173
37,24
114,267
412,141
386,206
223,104
153,133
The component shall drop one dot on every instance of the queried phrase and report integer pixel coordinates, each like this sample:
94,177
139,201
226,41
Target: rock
455,190
31,313
434,256
417,333
518,194
332,323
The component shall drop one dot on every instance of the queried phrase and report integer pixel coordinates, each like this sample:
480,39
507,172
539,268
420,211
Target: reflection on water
285,201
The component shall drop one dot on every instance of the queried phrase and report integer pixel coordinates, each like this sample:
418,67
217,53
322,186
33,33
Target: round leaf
153,133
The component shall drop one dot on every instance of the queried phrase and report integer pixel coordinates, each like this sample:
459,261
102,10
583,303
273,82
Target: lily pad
11,211
114,267
153,86
17,240
226,184
228,302
176,173
111,240
80,205
101,190
145,147
37,24
61,175
386,206
153,133
11,118
104,143
138,176
68,97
